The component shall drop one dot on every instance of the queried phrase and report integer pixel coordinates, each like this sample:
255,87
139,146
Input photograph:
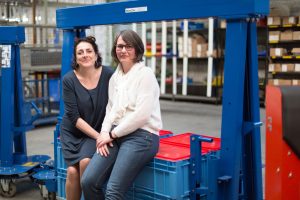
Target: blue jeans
126,159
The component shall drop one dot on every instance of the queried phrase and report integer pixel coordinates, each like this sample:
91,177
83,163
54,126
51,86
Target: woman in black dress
85,95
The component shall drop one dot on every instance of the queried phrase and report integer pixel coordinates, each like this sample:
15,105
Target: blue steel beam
19,138
12,34
67,53
252,147
233,108
7,115
157,10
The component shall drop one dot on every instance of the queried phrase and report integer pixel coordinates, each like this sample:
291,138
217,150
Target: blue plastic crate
163,179
60,158
160,179
61,183
54,94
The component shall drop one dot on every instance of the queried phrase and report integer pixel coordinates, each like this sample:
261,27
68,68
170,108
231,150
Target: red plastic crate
184,140
174,152
165,133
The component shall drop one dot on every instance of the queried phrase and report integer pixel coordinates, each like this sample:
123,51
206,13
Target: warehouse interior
188,59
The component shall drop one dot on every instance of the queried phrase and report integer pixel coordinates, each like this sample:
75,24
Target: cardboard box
296,35
223,23
274,21
277,51
274,35
289,20
296,51
286,35
200,51
274,67
279,82
288,67
295,82
297,67
200,39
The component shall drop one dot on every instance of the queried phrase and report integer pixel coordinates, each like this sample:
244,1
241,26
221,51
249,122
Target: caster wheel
51,196
11,190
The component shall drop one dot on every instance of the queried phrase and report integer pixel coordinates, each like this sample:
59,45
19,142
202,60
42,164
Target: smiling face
85,55
125,52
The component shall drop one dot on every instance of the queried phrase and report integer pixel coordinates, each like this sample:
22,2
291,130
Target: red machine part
282,180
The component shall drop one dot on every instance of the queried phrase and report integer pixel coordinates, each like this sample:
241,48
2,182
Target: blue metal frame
155,10
240,175
238,171
12,35
14,162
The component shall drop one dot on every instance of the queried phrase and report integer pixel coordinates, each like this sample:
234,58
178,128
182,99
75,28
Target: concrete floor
179,117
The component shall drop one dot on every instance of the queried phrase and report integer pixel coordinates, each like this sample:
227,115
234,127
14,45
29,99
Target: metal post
163,58
252,158
174,57
67,51
7,108
185,58
233,109
210,55
20,138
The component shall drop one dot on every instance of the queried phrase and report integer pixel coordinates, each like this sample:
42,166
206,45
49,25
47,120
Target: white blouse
133,101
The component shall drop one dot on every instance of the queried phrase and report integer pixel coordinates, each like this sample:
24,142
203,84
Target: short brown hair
133,39
91,40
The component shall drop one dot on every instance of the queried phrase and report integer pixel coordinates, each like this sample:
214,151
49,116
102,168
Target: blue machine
16,119
237,174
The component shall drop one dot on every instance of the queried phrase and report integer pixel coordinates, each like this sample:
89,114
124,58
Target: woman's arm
147,98
71,109
107,124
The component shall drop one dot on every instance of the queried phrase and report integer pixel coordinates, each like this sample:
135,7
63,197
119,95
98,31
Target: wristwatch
110,135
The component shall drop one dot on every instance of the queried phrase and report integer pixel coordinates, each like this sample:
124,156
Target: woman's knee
87,180
73,173
83,164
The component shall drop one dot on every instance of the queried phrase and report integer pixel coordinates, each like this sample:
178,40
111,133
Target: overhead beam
12,34
157,10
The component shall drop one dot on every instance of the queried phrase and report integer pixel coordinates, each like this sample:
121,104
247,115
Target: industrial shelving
284,47
182,77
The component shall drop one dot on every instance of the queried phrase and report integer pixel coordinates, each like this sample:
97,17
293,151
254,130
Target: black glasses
128,47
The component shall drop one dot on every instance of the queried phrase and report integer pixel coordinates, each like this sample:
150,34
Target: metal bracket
249,126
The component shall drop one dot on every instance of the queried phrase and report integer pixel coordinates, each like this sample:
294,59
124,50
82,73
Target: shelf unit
284,50
180,75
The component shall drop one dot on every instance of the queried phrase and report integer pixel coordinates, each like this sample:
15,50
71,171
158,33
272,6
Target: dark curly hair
132,38
92,41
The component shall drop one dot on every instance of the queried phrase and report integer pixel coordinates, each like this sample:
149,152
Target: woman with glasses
85,96
129,135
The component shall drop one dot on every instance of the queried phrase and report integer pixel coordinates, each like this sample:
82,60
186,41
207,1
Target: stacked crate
166,176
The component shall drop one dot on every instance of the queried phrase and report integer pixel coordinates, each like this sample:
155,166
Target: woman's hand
101,143
103,150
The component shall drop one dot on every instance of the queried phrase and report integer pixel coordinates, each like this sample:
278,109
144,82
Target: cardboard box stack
288,67
278,51
274,21
296,51
295,82
274,36
274,67
297,67
278,82
286,35
288,21
197,46
296,35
